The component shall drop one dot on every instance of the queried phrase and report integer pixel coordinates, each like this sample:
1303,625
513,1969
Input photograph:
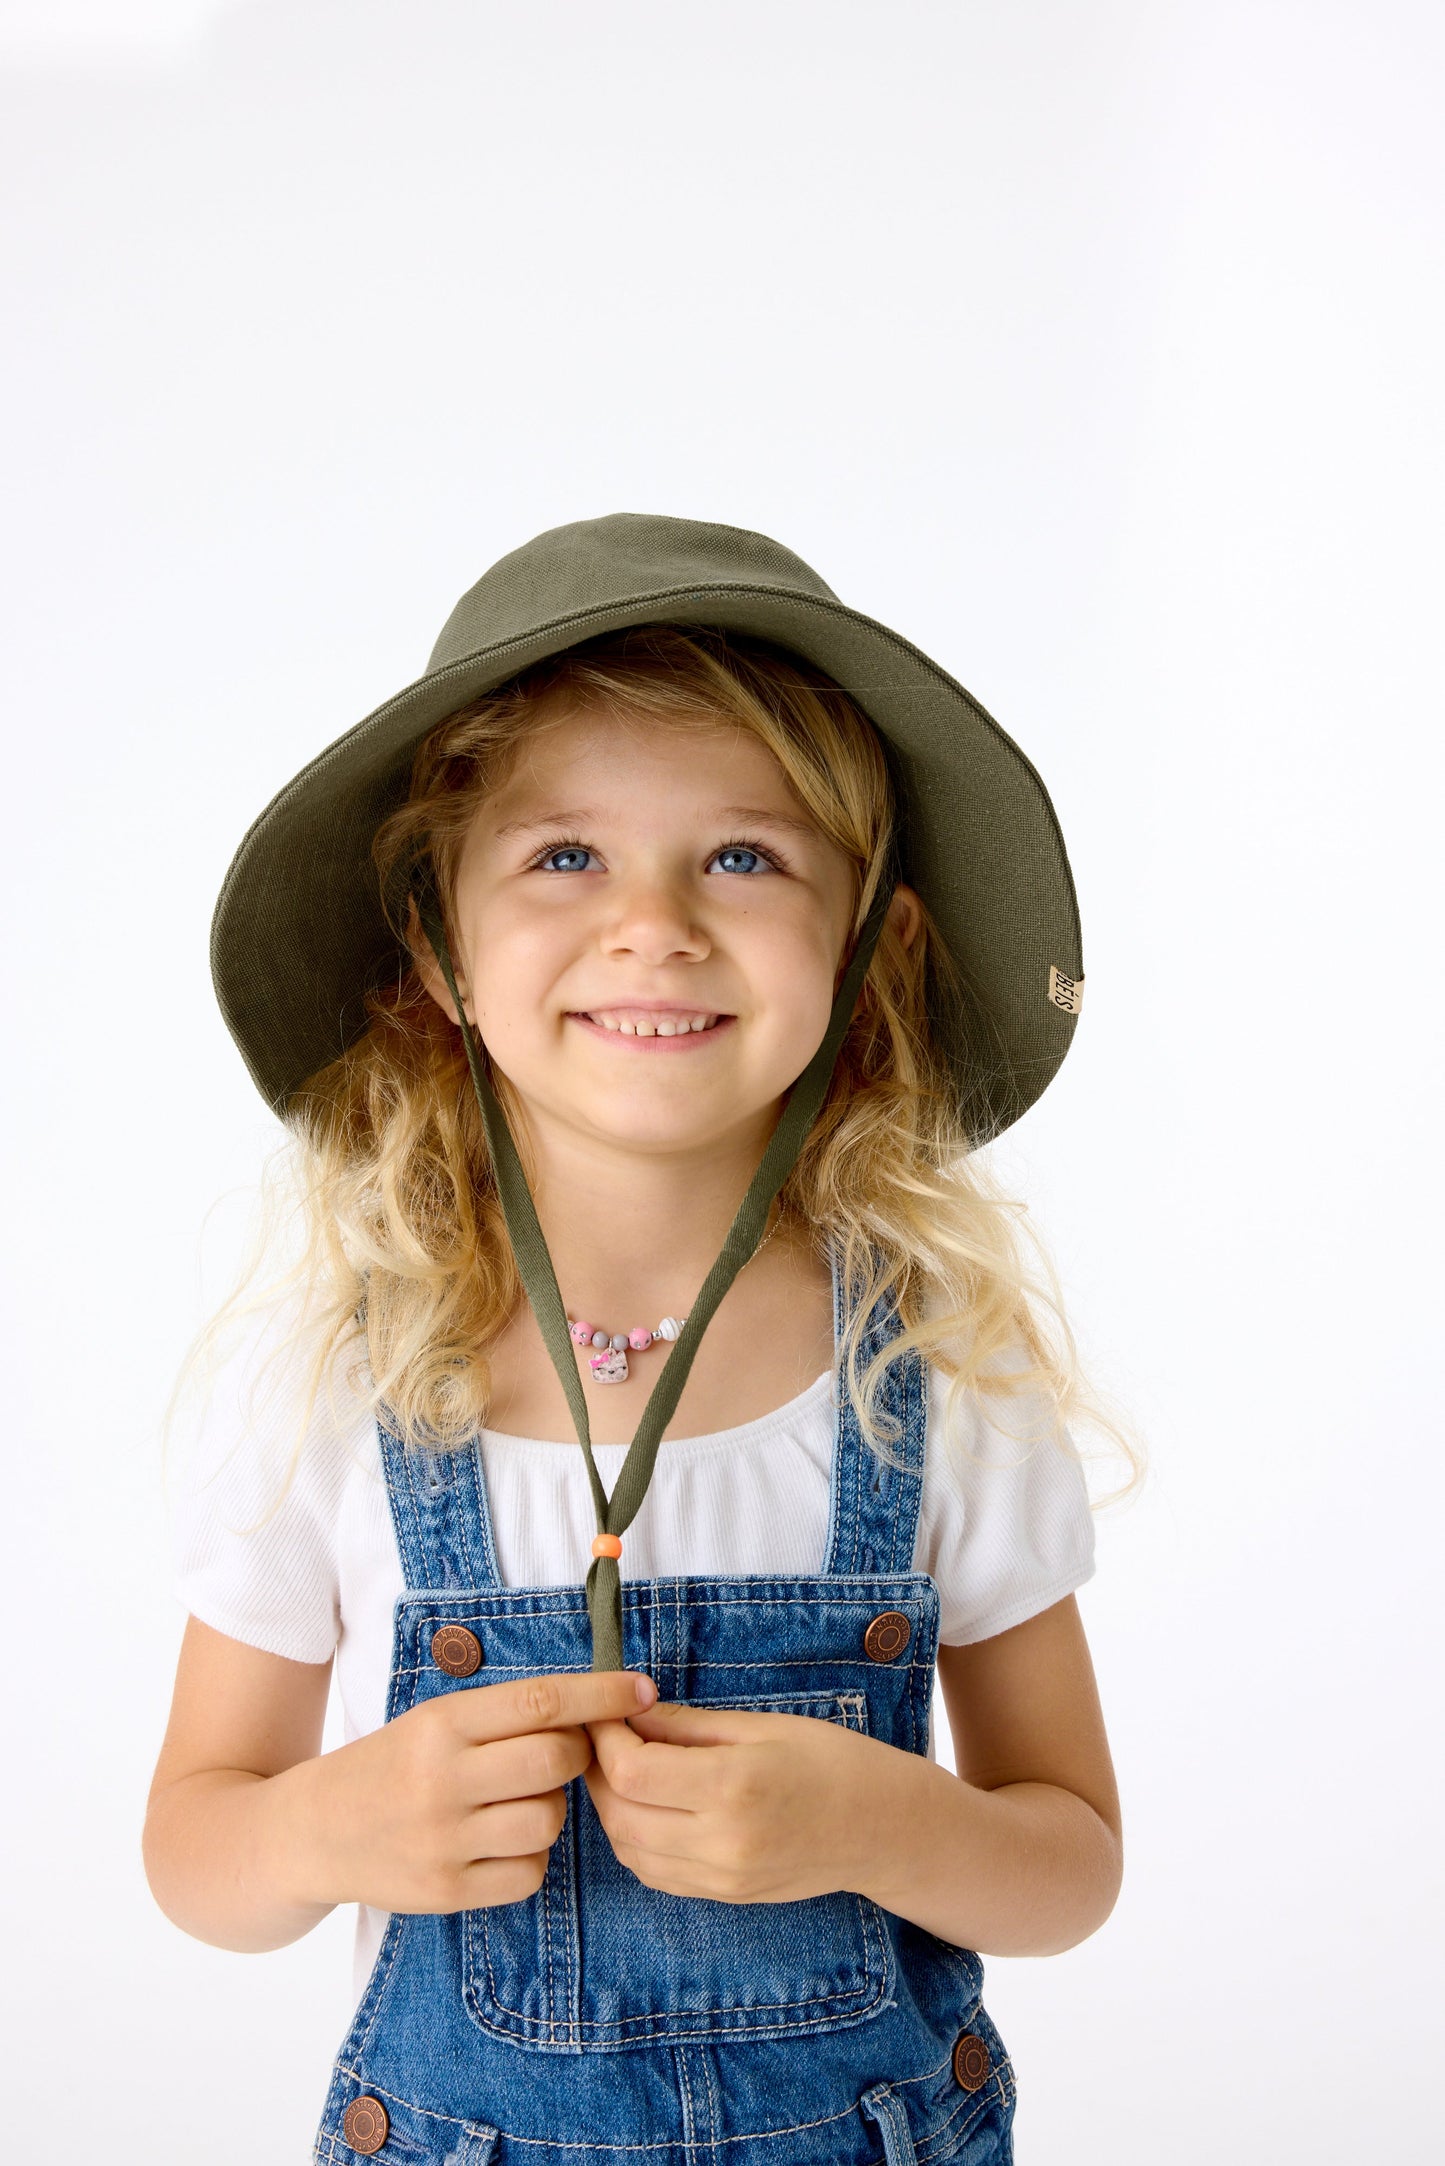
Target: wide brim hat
299,933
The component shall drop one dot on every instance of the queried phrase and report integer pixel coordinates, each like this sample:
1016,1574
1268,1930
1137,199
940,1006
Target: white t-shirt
1004,1526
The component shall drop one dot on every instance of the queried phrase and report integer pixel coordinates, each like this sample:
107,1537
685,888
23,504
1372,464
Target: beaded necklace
609,1363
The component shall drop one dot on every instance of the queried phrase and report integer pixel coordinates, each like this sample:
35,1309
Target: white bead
670,1327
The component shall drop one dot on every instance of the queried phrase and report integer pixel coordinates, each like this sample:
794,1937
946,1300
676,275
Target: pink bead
582,1334
639,1339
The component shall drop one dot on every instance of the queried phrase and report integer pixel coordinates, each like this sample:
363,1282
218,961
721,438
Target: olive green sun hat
299,933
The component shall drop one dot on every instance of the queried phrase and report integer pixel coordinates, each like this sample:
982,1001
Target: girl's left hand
739,1805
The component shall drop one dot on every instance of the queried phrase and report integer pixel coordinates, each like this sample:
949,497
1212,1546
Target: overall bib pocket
597,1961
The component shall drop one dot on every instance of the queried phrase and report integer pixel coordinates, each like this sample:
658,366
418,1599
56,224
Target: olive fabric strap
604,1581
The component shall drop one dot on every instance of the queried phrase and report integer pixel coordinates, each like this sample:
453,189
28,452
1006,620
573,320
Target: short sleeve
1004,1526
255,1553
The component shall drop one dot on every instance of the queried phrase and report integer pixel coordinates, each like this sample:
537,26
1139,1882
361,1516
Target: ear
903,913
903,916
429,970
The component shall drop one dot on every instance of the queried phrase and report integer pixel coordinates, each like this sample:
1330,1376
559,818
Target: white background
1096,348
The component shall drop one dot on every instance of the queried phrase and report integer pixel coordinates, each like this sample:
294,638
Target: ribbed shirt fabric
1004,1523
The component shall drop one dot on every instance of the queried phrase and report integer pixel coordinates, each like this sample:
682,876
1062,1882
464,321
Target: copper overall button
888,1635
456,1650
970,2061
364,2125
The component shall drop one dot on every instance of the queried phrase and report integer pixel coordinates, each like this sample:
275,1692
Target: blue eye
570,846
564,849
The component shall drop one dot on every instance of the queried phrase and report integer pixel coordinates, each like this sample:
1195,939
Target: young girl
637,987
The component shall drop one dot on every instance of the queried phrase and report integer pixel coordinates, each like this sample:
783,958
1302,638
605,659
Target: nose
653,917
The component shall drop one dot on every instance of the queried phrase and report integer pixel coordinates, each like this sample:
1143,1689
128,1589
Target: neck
638,1233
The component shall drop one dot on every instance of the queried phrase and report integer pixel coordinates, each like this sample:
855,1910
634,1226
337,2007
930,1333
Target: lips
629,1021
659,1031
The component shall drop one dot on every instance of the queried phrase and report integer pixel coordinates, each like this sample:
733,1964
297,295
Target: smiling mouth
681,1025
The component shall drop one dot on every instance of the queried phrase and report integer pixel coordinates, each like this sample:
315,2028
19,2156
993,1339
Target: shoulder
276,1430
1005,1521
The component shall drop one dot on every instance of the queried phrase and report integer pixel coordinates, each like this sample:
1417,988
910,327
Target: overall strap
439,1511
873,1517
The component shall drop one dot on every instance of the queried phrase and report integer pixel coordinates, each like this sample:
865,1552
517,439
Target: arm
252,1835
228,1815
1021,1852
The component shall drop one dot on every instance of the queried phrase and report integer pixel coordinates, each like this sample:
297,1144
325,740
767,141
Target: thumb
611,1734
680,1724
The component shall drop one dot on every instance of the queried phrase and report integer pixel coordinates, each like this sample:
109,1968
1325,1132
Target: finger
514,1827
636,1828
521,1767
652,1771
673,1722
560,1700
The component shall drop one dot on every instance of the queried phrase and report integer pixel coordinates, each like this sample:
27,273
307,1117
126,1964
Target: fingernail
646,1692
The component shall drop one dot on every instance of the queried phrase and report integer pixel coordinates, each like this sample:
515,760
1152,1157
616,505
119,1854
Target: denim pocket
596,1961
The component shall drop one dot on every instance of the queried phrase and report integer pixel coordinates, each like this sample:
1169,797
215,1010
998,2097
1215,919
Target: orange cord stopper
607,1545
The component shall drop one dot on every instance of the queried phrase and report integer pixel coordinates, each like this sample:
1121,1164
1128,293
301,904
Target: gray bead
600,1338
619,1339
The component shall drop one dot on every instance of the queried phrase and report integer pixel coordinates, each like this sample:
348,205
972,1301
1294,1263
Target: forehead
706,758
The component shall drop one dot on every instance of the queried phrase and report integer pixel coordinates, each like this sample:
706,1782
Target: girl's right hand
456,1804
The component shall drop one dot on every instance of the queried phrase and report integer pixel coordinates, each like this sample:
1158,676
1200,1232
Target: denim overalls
600,2022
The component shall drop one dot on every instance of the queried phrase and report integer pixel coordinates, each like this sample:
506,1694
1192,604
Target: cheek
516,971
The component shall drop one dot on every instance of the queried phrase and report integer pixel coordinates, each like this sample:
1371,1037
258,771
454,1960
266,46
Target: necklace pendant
609,1367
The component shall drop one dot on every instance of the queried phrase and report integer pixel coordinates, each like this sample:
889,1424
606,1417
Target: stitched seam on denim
678,1642
864,1663
364,2021
416,1519
854,1702
870,1918
833,1537
886,2110
976,2101
400,1503
725,1590
689,2113
484,1515
469,2128
554,2143
970,2108
458,1516
898,1481
411,1469
547,1930
713,2115
331,2110
854,1449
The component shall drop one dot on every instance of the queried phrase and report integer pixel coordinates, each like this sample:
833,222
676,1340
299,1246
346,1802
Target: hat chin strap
604,1581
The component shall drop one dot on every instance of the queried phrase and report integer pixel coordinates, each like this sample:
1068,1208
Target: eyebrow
759,813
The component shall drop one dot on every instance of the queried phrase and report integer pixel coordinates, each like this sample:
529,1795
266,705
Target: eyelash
739,842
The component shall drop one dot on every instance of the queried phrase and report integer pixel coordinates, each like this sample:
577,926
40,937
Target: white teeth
665,1027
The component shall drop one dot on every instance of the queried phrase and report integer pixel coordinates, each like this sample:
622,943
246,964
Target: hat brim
299,935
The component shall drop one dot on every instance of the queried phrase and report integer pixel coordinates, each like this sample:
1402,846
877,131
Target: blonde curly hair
404,1261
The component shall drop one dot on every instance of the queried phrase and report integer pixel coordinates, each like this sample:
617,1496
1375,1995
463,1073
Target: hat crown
597,563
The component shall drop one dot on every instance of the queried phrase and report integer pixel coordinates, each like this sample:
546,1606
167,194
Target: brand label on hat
1065,992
